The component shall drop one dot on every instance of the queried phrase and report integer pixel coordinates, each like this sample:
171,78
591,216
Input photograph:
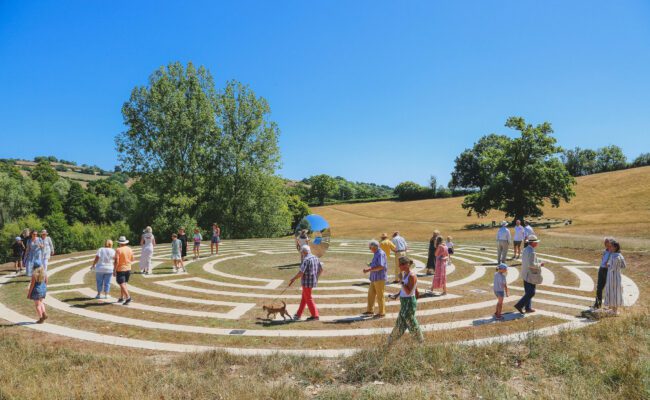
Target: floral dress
440,278
614,284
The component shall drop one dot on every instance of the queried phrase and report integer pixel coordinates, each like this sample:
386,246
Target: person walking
34,252
182,236
103,265
122,270
519,237
503,241
310,271
18,252
378,269
147,241
48,248
38,290
528,231
500,287
614,285
531,274
431,256
197,243
25,237
408,304
401,247
302,240
440,276
177,259
388,247
602,273
215,240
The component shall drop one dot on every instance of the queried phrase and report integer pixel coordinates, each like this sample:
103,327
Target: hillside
613,203
79,174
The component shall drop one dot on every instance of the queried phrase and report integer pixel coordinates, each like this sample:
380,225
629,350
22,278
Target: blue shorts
216,239
500,293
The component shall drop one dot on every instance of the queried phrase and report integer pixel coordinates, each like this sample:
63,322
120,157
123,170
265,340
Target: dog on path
275,310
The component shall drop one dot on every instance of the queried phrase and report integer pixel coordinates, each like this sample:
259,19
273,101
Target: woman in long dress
431,259
34,253
148,241
614,284
440,277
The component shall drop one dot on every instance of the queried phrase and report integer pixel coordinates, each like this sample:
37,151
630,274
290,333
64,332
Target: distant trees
412,191
515,175
642,160
580,162
322,186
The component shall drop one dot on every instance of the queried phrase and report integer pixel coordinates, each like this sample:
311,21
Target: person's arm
505,288
95,262
31,287
320,270
51,246
298,276
141,240
410,285
115,264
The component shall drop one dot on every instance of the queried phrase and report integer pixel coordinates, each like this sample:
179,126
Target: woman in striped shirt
614,285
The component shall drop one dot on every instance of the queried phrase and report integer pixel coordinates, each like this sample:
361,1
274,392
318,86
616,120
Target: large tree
322,186
515,175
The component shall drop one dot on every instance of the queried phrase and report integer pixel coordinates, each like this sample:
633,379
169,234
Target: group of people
31,250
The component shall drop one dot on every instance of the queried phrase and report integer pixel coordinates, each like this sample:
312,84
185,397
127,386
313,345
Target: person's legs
602,280
37,306
216,248
410,320
99,280
396,270
525,299
303,303
400,324
381,300
310,303
372,293
44,263
42,305
107,282
530,292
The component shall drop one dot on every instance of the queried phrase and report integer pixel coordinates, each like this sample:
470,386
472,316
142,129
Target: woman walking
614,284
408,304
302,240
103,266
431,259
33,253
147,241
216,239
440,277
48,248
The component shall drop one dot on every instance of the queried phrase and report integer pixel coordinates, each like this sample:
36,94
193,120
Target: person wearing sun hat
531,275
500,288
503,241
122,270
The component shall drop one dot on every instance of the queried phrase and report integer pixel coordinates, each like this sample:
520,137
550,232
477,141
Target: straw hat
122,240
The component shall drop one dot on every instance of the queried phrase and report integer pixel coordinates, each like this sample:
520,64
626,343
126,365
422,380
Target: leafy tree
412,191
58,228
16,197
298,209
610,158
322,186
49,201
641,160
433,181
473,167
74,207
44,173
579,161
518,175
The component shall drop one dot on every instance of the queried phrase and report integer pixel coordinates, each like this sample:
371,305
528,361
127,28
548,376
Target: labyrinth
218,303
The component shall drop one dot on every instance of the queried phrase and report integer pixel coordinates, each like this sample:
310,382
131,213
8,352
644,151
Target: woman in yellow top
122,271
387,246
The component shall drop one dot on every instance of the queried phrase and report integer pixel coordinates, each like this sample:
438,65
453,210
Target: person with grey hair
378,269
614,285
147,241
503,242
48,249
310,270
602,273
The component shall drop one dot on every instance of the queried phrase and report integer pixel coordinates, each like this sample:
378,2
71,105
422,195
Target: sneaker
120,300
105,297
313,319
532,310
377,316
521,310
127,301
296,317
368,313
40,321
98,297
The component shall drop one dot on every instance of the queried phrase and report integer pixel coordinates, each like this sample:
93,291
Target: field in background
613,203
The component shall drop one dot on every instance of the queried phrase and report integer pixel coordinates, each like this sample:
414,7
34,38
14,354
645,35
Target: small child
450,247
18,249
197,243
500,288
176,253
37,290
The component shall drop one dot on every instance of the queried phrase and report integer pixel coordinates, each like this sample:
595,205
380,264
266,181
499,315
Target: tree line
580,162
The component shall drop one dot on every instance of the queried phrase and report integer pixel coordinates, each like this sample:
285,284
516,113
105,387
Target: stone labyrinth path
218,303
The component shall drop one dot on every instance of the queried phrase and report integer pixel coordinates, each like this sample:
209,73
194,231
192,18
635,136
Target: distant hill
81,174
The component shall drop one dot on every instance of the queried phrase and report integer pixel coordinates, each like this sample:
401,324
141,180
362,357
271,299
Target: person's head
305,249
396,234
517,222
503,268
108,243
405,264
449,238
373,246
533,241
19,239
384,236
504,224
439,240
615,246
122,241
34,234
215,225
25,232
147,229
181,230
174,236
527,223
39,273
303,233
43,233
606,242
196,230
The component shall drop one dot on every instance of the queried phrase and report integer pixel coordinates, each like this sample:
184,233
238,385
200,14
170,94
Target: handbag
534,273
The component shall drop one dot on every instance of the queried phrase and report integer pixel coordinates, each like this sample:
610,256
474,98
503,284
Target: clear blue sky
382,91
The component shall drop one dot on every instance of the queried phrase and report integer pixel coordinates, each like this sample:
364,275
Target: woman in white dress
614,284
148,241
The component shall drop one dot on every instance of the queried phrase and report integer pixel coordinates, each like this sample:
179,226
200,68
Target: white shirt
148,239
105,263
503,234
400,243
528,230
519,233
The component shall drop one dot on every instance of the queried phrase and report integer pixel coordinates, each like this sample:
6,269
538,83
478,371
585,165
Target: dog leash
280,295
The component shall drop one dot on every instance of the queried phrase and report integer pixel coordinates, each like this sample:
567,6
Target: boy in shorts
177,258
122,270
500,289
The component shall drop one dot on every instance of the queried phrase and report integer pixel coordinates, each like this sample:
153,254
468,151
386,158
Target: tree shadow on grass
288,266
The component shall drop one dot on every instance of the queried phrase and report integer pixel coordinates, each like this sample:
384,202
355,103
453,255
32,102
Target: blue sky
381,91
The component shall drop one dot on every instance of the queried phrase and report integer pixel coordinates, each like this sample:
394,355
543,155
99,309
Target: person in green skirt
408,304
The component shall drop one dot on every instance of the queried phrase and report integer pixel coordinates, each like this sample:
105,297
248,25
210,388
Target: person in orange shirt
122,270
387,246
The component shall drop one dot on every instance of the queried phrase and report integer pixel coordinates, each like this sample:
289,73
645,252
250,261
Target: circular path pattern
218,303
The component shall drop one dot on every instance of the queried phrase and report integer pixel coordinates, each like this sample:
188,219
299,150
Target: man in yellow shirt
388,246
122,271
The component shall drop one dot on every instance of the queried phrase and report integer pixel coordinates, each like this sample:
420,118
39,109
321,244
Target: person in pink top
440,277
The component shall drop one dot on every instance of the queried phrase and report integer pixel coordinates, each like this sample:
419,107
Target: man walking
310,270
602,273
531,274
503,241
378,269
400,251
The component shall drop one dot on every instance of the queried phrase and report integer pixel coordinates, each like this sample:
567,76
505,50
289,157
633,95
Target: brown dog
273,311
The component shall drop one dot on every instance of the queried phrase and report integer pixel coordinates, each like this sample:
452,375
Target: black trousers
526,300
602,280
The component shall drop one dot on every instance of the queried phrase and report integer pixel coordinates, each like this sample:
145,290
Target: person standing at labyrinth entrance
147,241
503,241
48,248
302,240
177,259
310,271
431,257
614,285
34,253
602,273
183,238
531,273
378,269
215,240
122,271
387,246
197,243
519,237
401,247
528,231
103,265
18,250
442,256
408,304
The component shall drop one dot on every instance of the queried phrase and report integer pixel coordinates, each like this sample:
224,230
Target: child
18,249
500,288
177,258
450,247
197,243
37,290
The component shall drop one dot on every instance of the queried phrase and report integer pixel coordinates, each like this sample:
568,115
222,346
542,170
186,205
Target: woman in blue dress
33,252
